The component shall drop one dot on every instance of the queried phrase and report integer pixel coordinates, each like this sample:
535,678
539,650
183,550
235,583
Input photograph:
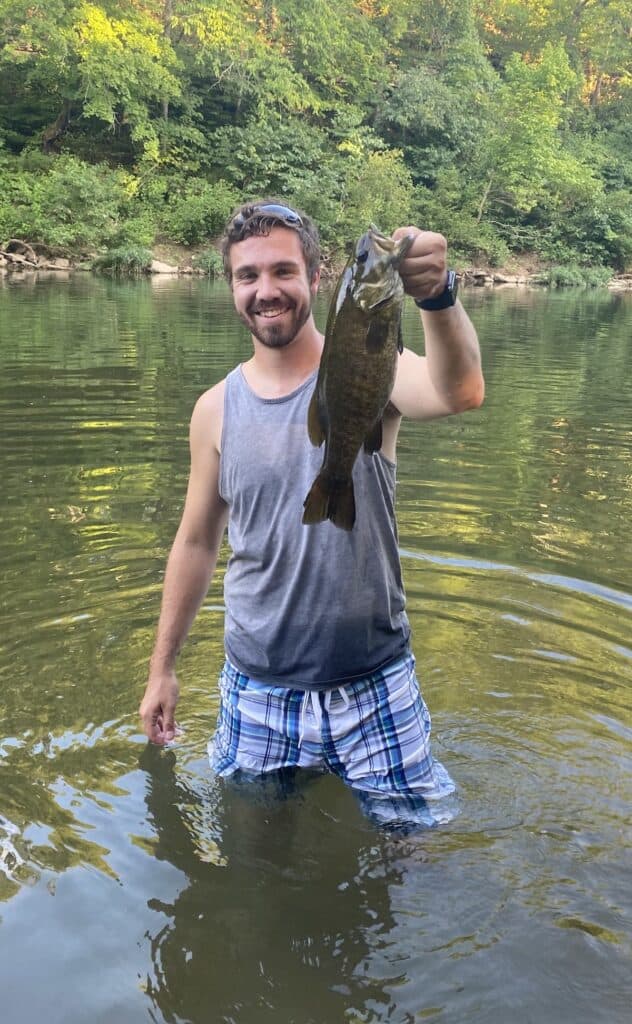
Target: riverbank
173,261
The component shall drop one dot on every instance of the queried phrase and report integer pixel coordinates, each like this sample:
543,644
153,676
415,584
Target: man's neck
273,373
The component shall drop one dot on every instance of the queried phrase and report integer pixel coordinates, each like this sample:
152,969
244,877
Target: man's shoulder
211,401
208,412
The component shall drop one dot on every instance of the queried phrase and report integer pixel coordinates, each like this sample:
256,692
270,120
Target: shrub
574,276
210,261
597,277
72,206
199,211
138,228
377,188
130,260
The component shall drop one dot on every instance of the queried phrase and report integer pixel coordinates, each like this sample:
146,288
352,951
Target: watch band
447,297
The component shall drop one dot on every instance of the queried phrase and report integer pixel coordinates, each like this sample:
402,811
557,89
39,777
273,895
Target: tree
91,64
524,161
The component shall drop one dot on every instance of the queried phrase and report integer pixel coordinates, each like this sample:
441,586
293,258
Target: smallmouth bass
356,373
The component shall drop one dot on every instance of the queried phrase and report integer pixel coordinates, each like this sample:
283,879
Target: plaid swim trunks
373,733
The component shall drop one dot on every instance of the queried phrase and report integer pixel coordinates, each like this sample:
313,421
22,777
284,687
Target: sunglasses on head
284,213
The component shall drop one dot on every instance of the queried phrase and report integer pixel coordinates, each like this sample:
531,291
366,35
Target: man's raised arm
449,378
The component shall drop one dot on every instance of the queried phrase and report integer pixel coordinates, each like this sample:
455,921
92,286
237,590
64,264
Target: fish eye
363,256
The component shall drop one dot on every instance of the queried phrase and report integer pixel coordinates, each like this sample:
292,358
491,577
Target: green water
134,887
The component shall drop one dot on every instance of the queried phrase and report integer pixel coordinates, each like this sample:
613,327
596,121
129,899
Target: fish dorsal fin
373,440
376,336
315,427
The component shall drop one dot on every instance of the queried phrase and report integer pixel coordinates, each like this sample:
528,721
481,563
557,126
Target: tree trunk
167,13
595,95
483,202
55,131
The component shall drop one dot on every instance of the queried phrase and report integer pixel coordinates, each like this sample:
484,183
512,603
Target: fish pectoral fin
400,338
376,336
315,426
373,440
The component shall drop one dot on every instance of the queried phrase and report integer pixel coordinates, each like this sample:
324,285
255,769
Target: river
133,886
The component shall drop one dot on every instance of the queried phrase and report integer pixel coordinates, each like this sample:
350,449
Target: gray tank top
310,607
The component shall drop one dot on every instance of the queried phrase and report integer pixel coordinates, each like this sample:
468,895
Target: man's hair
250,219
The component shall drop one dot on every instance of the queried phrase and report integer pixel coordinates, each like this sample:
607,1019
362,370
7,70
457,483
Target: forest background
504,124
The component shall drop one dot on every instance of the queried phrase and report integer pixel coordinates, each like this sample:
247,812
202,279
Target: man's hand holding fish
424,269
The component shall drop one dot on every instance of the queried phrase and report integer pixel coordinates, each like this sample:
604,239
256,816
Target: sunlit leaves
123,65
523,154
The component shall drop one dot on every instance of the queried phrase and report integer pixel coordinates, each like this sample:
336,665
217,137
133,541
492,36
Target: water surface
135,887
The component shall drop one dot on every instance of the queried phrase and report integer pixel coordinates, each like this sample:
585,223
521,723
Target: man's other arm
190,566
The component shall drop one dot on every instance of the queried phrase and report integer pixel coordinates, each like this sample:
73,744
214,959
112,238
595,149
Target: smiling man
274,308
319,673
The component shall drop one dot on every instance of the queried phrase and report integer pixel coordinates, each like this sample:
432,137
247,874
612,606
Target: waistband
321,700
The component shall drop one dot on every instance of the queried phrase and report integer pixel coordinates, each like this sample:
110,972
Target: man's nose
267,288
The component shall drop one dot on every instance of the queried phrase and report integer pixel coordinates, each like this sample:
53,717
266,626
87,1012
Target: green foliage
574,276
127,260
450,208
376,187
124,64
523,160
137,226
271,154
198,210
334,44
504,124
210,261
227,42
92,60
69,205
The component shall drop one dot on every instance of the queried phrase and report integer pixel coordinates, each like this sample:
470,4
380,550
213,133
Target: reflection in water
164,895
294,910
276,908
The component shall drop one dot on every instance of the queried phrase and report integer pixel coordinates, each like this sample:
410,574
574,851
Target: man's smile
271,314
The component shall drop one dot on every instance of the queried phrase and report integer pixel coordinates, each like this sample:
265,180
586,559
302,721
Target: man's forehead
281,245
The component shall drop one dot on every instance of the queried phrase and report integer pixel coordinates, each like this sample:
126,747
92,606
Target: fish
356,374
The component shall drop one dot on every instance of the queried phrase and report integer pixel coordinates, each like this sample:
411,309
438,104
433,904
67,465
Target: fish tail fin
330,499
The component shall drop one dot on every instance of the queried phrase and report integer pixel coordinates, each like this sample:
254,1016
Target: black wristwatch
447,297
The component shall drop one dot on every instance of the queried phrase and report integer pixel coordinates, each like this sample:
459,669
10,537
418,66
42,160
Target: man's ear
315,280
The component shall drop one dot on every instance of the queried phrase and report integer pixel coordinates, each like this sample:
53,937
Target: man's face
271,291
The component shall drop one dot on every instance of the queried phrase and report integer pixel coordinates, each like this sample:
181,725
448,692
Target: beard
273,334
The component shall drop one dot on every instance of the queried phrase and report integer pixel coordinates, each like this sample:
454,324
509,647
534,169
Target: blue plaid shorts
373,733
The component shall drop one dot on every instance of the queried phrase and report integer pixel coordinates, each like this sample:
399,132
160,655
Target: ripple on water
533,713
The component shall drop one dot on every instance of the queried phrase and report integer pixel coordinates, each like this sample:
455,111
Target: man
318,670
